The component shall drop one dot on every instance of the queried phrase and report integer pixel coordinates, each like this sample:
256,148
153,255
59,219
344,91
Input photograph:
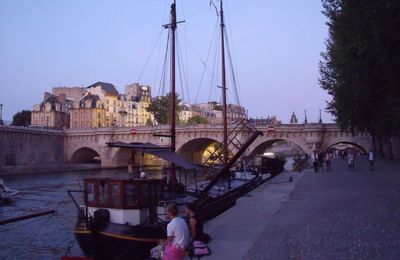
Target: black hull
118,241
212,207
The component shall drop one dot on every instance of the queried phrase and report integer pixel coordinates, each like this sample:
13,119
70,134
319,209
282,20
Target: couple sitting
180,234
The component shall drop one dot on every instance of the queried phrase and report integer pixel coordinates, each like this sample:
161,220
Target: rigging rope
161,86
205,67
183,80
148,58
236,92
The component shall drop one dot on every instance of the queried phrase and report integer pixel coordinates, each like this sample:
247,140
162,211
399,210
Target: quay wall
25,146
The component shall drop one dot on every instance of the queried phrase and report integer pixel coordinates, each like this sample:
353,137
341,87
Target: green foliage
360,66
149,122
160,107
22,118
194,120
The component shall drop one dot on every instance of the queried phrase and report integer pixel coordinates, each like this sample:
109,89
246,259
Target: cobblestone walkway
337,215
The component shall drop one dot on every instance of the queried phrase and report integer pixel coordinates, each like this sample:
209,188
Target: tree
22,118
360,66
160,107
194,120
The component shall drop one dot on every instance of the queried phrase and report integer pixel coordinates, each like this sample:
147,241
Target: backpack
199,249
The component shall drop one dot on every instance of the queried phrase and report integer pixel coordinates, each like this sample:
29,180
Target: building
122,110
143,92
138,98
293,119
186,113
52,112
212,111
72,93
235,113
89,112
108,96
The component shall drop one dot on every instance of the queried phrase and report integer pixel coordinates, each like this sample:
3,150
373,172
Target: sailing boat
125,218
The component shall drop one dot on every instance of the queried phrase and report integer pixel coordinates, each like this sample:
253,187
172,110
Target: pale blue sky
276,47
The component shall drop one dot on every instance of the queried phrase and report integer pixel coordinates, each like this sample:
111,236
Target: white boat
6,193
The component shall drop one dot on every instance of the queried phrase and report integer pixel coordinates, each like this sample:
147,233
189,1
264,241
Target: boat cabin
130,201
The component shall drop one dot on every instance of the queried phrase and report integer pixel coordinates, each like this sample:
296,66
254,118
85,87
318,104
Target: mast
173,105
223,87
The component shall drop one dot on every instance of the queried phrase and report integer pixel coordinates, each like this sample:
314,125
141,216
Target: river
45,237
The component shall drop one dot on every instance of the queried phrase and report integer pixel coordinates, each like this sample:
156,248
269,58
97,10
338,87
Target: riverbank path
340,214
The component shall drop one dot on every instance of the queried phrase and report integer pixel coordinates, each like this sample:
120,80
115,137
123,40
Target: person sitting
177,235
195,224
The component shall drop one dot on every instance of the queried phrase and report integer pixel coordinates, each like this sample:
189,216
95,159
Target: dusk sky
275,47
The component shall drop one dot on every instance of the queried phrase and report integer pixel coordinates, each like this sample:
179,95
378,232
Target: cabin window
91,195
115,195
130,196
144,195
103,193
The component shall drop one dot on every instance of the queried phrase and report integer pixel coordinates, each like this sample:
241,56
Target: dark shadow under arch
356,146
85,155
264,145
125,156
193,150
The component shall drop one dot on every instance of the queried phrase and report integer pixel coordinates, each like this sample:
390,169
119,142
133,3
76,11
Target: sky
275,47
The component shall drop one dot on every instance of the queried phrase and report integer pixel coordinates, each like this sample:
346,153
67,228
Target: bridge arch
354,145
194,149
121,157
85,155
263,143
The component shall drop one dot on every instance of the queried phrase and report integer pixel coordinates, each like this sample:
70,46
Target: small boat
6,193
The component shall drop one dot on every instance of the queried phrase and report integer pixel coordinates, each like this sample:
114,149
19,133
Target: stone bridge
80,145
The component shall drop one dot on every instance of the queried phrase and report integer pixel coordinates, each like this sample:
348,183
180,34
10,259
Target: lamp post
1,114
320,117
305,116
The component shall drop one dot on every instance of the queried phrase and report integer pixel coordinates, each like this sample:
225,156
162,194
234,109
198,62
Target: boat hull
118,241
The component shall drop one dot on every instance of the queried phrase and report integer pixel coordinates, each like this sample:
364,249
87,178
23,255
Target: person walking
328,158
315,161
371,158
350,160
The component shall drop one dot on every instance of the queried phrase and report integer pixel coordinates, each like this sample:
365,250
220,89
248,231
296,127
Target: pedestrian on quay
328,162
350,160
315,161
371,157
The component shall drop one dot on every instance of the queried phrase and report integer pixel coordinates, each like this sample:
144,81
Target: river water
49,236
45,237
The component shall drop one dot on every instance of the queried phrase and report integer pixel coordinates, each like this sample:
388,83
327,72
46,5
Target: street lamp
320,117
1,114
305,116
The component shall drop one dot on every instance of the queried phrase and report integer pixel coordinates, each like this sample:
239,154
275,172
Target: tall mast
223,87
173,105
172,26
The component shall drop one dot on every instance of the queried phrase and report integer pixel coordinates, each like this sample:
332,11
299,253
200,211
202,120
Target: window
91,195
130,196
103,193
115,195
